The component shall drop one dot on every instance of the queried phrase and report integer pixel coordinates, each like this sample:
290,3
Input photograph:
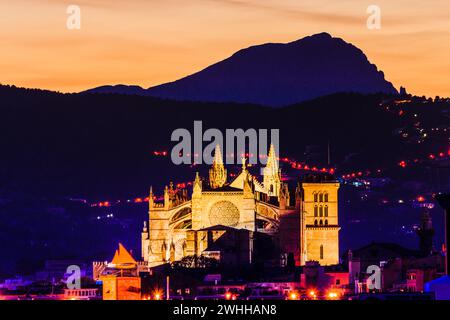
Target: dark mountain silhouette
275,74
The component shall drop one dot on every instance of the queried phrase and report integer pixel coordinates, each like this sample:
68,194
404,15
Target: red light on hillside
137,200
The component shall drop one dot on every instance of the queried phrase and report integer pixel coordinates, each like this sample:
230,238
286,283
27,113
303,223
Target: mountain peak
278,74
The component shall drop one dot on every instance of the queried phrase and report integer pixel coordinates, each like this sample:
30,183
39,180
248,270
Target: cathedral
226,219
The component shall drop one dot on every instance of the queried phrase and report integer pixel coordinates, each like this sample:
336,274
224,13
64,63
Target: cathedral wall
328,240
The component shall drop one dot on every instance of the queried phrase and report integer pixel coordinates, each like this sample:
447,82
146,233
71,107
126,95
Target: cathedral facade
303,221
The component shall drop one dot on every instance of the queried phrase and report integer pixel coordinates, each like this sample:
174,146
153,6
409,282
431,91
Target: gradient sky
148,42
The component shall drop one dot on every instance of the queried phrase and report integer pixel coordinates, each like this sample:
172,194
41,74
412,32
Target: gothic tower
218,173
319,223
272,177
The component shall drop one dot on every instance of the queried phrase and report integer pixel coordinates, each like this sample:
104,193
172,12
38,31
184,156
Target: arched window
315,222
321,211
326,211
320,197
315,197
326,197
321,251
321,222
315,211
326,222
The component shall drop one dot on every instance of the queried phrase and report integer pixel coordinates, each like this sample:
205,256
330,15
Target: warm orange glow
332,295
228,296
157,294
293,296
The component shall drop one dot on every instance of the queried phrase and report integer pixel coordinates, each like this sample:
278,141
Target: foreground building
120,278
301,221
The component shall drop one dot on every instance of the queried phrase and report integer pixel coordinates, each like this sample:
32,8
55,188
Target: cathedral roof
225,188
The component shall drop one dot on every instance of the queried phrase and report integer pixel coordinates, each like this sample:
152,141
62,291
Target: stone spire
197,186
218,173
150,198
272,176
166,197
244,164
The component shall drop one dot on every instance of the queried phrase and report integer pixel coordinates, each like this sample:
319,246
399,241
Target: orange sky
148,42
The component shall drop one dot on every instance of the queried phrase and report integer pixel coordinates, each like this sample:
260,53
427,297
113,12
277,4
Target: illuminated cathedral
302,221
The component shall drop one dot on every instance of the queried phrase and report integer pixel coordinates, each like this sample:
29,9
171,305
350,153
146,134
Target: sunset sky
148,42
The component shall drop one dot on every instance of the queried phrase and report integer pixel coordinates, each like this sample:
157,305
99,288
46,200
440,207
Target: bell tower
319,223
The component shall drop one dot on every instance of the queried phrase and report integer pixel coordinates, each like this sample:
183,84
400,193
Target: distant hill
94,145
275,74
59,148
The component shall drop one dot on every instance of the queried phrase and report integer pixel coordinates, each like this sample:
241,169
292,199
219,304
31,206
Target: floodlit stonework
303,222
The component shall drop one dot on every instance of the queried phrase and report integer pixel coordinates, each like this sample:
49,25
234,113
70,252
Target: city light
332,295
293,296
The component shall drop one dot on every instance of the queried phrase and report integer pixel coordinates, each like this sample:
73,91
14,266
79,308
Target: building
316,278
81,294
302,221
400,269
120,278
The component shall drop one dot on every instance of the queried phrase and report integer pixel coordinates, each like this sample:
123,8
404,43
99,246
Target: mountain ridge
275,74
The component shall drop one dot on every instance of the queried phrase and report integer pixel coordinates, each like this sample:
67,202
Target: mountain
275,74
